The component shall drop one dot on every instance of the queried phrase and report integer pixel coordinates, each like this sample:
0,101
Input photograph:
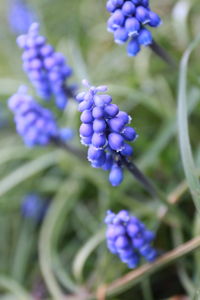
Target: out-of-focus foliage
69,244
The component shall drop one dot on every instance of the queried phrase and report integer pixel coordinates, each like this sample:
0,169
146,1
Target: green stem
70,149
153,191
161,52
140,177
144,181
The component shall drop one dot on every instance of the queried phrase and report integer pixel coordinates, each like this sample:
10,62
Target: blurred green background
69,244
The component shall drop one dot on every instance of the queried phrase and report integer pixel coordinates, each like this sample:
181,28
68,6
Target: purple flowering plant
105,131
129,21
128,238
85,250
34,123
46,69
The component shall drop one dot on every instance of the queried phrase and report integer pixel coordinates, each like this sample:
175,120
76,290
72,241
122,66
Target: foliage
66,253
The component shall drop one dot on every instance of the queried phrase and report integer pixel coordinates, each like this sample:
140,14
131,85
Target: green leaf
165,134
12,286
85,252
28,170
49,236
183,128
23,250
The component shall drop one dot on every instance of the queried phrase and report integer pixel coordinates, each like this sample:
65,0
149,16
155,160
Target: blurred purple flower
129,239
34,207
20,16
47,70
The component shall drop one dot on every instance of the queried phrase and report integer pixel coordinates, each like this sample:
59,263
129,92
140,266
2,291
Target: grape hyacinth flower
34,208
128,238
20,16
128,22
35,124
47,70
105,131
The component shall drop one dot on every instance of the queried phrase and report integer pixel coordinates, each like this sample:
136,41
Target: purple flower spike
129,239
128,21
47,70
105,131
35,124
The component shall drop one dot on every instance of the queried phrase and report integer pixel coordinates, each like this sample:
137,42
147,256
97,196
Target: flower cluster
127,22
33,207
105,131
35,124
128,238
46,69
20,16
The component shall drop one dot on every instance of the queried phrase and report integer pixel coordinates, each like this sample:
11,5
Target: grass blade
13,287
27,170
85,252
183,130
49,235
